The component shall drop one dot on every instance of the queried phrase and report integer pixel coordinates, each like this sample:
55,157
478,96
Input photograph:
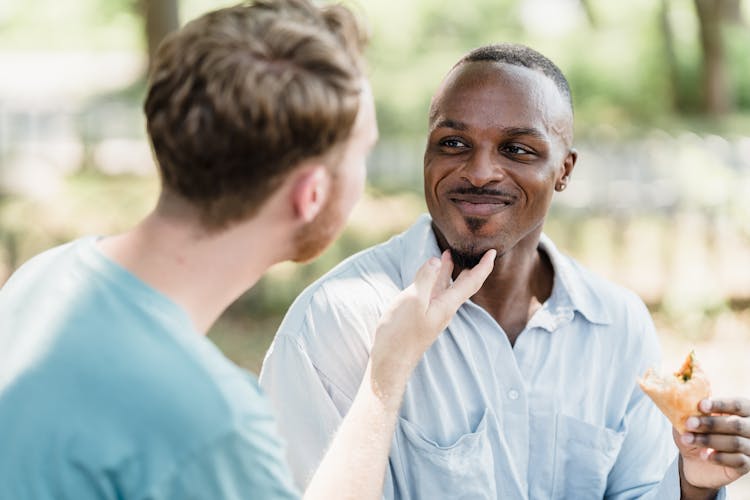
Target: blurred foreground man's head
244,98
499,145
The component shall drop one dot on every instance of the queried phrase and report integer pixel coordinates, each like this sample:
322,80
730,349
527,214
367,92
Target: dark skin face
499,145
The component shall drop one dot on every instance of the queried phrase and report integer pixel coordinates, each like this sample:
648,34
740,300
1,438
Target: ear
310,192
568,165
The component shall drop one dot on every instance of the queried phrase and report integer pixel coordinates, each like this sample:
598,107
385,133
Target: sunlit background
659,201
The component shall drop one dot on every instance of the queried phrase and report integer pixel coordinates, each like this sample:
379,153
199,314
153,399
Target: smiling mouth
480,205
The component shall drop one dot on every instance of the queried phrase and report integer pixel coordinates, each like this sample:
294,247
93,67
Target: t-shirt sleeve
246,462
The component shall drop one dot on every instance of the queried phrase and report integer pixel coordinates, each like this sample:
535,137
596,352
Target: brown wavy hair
241,95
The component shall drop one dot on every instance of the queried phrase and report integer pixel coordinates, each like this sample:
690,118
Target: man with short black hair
260,119
531,392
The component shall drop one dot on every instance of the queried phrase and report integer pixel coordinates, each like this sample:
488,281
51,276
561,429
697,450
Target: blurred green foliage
614,53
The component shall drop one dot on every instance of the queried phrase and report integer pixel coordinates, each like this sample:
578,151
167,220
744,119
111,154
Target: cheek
434,176
355,186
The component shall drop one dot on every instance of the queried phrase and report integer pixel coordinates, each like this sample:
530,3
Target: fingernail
704,453
705,406
692,423
434,262
688,438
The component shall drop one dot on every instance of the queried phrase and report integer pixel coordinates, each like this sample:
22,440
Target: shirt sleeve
306,414
647,465
244,463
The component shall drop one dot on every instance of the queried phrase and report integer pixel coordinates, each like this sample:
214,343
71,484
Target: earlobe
568,164
310,192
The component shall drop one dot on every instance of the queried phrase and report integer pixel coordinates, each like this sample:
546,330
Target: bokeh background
659,201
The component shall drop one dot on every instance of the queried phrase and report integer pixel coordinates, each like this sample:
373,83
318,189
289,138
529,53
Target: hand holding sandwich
715,449
712,434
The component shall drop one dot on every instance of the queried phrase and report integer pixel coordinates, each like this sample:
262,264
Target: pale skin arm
354,466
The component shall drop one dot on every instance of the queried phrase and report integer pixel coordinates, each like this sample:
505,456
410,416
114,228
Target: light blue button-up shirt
557,415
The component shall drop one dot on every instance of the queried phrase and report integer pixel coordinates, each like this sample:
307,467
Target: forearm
354,466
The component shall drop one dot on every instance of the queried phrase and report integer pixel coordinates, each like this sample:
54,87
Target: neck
517,287
202,272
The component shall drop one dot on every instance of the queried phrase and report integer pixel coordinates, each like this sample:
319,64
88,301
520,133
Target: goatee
466,259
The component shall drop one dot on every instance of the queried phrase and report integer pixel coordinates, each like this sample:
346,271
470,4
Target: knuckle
736,424
745,447
709,423
703,439
735,444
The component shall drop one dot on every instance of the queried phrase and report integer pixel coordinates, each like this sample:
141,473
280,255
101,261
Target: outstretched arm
354,466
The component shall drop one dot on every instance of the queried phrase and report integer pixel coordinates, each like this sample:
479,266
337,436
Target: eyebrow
509,131
448,123
521,131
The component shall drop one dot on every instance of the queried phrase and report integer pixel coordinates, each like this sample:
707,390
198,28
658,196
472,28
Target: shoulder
615,311
351,296
331,325
599,299
39,266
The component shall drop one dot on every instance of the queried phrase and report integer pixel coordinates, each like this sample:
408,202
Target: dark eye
516,150
452,143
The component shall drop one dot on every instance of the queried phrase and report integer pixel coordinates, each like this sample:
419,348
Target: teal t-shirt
107,391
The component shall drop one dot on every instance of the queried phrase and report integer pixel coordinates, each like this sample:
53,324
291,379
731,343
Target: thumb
466,285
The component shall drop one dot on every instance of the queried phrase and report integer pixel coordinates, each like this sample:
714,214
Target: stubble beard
315,236
468,256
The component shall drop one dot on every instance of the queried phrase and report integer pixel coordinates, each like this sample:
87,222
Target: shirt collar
571,290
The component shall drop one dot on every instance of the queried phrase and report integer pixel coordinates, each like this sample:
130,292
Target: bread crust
678,395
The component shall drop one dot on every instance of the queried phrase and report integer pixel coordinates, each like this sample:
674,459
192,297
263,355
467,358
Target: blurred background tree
160,17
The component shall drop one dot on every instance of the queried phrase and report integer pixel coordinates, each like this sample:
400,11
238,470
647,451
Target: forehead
492,94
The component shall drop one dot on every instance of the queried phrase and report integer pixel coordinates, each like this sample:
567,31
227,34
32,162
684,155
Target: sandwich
678,395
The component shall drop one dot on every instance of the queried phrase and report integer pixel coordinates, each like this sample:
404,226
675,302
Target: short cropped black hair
521,55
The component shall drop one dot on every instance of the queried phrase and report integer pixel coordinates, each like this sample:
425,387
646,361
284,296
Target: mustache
480,191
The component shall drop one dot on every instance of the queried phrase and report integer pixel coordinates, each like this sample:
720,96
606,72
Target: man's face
347,184
499,142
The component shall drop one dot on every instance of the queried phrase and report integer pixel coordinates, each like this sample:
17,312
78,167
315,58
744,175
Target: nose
482,168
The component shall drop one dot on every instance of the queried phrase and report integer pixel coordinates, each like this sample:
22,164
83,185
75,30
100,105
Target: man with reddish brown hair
260,119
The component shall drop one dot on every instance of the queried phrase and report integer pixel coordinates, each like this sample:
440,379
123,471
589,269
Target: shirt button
513,394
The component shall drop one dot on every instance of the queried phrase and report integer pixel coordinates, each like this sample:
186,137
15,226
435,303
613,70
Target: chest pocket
461,470
584,455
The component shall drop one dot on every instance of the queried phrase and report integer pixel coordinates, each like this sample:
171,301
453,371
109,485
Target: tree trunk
160,17
733,12
590,14
670,54
717,93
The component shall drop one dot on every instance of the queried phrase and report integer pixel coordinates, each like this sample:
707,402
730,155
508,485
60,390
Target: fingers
730,406
738,461
467,283
444,276
719,442
426,278
720,424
